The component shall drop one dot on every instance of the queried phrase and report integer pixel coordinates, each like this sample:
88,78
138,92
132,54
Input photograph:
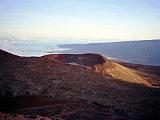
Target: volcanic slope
55,87
107,67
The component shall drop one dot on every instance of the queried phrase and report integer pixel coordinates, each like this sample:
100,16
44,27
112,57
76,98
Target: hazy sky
89,19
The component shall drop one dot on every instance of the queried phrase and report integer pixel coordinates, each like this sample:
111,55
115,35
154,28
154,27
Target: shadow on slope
49,87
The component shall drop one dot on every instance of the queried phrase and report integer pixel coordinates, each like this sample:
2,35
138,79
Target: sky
81,19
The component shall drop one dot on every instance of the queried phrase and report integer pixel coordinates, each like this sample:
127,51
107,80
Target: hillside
71,87
106,67
5,57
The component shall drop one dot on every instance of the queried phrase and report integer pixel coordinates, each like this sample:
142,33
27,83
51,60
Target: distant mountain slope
50,86
139,52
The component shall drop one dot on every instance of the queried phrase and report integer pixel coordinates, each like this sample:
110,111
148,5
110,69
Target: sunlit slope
105,66
70,83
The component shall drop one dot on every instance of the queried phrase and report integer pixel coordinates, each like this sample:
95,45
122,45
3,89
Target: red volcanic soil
107,67
82,59
75,87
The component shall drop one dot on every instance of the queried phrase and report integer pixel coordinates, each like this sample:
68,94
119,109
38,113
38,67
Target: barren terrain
77,87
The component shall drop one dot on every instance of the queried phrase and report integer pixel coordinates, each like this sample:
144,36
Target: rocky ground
52,87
